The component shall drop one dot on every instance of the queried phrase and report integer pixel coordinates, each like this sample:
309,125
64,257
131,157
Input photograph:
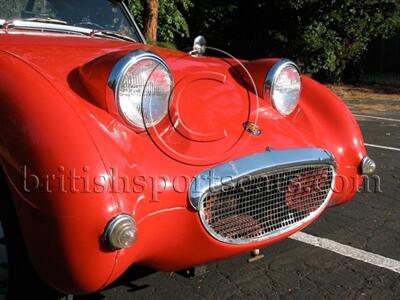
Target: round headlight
283,86
142,85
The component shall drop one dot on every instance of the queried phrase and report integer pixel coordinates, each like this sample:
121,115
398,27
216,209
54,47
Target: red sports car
116,153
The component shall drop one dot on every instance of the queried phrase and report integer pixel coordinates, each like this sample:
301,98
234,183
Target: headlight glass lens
285,90
144,93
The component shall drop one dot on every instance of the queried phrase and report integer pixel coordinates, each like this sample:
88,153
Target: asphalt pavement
294,269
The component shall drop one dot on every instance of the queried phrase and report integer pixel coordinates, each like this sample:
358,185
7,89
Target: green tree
11,8
171,22
336,34
324,37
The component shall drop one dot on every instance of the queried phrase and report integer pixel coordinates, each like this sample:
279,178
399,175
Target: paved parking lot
295,269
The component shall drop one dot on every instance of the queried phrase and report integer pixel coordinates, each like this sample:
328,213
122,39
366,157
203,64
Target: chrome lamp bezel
119,71
271,77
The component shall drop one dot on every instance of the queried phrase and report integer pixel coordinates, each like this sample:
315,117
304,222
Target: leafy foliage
324,37
337,33
172,24
11,8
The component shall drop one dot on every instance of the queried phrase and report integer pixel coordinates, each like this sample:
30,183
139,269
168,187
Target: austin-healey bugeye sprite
116,153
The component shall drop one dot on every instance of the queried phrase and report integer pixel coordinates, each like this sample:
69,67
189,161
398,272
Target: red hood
211,96
57,55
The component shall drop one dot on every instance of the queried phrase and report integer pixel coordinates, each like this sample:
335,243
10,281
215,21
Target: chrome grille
256,207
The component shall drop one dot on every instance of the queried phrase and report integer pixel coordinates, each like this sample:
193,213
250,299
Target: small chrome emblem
252,128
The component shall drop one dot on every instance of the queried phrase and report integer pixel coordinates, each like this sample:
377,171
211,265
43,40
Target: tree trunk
151,25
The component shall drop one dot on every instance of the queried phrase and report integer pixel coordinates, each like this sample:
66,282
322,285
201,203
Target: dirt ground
376,98
373,92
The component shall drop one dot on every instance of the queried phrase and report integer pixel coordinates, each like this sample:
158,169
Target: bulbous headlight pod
283,86
142,85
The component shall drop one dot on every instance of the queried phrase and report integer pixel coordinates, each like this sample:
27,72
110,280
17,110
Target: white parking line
348,251
382,147
376,118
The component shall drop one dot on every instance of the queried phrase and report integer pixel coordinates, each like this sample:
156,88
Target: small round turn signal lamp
121,232
368,166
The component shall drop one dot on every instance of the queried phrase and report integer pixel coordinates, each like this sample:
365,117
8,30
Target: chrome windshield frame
44,26
60,28
132,20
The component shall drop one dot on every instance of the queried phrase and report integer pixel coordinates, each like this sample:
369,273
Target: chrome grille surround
254,198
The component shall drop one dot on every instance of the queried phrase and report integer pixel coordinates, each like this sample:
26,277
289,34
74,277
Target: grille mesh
257,207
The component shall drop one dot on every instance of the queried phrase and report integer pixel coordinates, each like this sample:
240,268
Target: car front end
131,154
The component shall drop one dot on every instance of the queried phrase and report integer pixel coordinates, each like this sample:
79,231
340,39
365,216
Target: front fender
42,139
326,117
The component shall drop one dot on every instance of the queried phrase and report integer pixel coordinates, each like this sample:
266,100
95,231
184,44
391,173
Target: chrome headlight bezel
120,70
270,83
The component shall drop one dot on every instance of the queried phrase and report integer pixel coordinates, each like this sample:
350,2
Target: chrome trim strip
46,26
259,164
252,166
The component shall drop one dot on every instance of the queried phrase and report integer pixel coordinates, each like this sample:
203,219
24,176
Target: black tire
23,281
3,265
